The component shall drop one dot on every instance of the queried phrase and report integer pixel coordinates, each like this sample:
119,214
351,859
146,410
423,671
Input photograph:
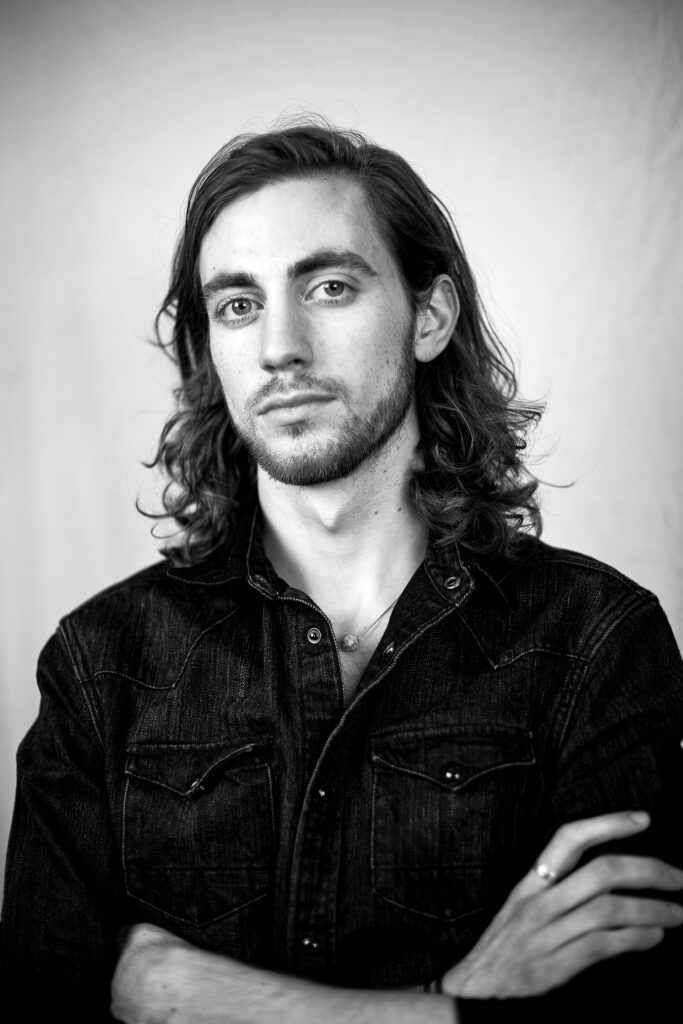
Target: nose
284,342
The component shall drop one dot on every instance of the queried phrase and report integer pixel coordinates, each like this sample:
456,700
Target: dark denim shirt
193,765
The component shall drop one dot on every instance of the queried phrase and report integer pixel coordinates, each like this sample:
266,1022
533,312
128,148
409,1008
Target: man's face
311,330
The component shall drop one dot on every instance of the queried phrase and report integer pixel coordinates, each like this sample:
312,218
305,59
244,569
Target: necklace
350,642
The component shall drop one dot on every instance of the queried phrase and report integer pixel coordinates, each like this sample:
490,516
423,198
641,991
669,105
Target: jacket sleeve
62,886
618,747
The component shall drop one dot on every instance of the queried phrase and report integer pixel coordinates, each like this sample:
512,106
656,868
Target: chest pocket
198,827
445,809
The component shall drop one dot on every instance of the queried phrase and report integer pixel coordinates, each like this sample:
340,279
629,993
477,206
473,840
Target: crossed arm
544,935
62,908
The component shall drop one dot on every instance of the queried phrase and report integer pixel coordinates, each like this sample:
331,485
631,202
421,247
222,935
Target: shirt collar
451,570
227,563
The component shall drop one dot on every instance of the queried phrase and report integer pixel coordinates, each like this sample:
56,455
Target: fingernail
639,817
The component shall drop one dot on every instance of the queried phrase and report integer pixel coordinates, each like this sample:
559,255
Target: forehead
284,222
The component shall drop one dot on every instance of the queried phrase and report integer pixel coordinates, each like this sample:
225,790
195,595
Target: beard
358,438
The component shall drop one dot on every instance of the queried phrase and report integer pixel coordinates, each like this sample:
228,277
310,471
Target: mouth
294,400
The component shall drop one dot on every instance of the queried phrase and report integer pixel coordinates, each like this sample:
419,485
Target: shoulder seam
90,677
636,600
80,683
543,554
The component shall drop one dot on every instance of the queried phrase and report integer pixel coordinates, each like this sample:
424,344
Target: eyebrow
322,259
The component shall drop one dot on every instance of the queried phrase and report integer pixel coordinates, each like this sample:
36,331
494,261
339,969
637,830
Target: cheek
389,344
231,375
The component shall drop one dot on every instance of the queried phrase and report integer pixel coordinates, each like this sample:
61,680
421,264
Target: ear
436,322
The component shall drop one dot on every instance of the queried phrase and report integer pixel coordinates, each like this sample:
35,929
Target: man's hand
552,928
544,935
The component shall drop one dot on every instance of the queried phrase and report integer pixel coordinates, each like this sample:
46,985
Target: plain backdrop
553,129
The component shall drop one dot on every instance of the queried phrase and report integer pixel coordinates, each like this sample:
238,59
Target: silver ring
546,873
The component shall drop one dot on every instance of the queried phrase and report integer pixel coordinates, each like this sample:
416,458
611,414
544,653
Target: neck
351,544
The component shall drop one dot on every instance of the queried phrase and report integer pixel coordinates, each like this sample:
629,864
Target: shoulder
123,601
148,621
569,602
130,589
539,570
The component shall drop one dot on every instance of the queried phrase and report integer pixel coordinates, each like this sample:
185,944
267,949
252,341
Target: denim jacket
193,765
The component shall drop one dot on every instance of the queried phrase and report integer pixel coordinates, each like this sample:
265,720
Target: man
363,748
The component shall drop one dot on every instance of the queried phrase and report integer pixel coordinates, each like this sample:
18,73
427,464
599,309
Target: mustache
301,382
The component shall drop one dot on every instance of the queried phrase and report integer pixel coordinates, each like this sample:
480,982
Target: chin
302,458
307,471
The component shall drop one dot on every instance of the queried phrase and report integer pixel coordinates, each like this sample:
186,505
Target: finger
612,911
609,872
570,960
571,841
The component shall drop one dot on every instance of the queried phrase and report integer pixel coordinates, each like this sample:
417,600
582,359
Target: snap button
310,943
451,773
314,635
452,582
322,793
389,650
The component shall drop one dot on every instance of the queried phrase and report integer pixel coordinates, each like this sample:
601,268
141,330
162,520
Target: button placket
311,911
315,878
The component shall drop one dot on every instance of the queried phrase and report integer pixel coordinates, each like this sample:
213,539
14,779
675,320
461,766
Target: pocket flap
455,758
188,768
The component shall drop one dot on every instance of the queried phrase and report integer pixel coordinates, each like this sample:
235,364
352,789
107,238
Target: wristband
433,987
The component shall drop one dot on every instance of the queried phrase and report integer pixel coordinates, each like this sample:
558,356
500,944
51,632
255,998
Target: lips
294,399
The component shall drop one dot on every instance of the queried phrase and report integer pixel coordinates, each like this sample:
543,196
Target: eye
334,289
331,292
241,307
237,310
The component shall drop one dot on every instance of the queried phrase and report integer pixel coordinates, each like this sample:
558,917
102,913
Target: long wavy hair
471,485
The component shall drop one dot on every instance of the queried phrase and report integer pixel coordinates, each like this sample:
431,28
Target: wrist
467,1009
454,983
461,1012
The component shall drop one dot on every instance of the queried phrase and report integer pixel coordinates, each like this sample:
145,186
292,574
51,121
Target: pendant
349,642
